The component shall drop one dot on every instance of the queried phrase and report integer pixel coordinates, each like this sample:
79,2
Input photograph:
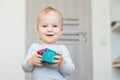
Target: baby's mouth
49,34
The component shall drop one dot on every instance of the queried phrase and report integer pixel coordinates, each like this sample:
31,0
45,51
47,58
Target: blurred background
91,33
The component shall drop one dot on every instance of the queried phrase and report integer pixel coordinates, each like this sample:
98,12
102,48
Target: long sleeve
69,67
59,73
29,54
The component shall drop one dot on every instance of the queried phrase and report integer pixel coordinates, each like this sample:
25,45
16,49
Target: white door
76,15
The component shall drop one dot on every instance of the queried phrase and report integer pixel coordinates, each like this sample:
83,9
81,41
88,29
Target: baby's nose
49,28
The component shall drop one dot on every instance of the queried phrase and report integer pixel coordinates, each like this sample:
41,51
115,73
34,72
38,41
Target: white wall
101,40
12,39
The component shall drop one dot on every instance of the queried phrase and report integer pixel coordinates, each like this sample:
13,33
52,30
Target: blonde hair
47,10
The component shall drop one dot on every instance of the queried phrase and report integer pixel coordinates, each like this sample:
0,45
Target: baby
49,28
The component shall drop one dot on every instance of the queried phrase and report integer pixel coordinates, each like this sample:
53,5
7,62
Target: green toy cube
47,56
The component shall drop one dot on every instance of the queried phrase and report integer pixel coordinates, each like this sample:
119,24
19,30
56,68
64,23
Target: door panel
75,35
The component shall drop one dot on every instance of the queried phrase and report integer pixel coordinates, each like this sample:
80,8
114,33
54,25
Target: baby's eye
55,25
44,26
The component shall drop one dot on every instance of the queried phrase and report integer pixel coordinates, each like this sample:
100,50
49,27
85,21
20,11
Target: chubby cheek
59,33
40,32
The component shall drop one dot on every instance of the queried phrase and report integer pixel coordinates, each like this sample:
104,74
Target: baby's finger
59,53
38,55
56,61
57,57
39,60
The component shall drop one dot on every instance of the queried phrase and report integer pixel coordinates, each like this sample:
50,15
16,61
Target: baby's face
50,27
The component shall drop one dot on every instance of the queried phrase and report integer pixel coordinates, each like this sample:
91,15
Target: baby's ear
62,30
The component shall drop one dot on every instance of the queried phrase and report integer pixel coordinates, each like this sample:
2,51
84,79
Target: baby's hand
35,61
60,60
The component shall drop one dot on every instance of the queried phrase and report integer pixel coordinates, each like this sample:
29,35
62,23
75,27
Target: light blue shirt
49,72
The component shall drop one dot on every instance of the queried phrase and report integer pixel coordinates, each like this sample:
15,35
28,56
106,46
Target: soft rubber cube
40,52
48,56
